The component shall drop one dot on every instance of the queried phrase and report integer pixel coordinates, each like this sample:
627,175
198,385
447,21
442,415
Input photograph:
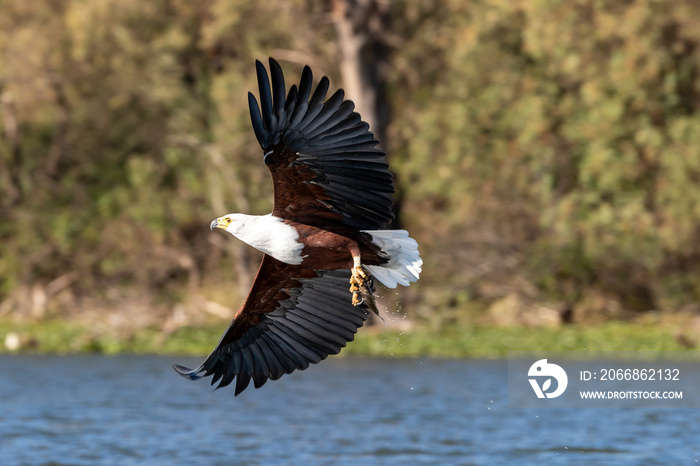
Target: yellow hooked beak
221,222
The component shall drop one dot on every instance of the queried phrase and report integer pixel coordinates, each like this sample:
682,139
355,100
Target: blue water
89,410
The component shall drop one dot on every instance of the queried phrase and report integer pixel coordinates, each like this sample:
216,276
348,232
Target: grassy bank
495,342
463,342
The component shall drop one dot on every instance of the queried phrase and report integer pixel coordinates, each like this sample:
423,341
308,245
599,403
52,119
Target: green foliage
125,131
496,342
548,148
70,336
458,342
562,133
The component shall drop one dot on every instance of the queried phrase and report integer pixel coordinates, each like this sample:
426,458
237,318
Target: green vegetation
481,341
555,145
64,337
547,151
495,342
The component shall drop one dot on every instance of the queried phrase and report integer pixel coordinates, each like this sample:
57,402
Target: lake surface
93,410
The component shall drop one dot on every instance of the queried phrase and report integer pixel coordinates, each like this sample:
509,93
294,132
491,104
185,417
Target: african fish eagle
332,201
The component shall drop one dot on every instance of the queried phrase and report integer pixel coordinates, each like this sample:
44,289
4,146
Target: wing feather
330,108
302,136
344,111
310,318
316,104
265,96
278,90
305,85
256,119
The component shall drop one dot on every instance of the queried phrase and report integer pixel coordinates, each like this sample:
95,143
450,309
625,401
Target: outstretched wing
324,162
294,316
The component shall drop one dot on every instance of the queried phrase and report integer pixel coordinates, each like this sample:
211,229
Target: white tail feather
404,264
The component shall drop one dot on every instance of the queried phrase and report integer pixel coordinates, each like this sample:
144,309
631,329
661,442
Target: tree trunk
360,25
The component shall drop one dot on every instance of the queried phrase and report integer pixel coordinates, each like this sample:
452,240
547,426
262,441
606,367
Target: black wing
324,162
294,316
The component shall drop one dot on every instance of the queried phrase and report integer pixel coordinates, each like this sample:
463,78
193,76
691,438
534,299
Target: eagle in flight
332,202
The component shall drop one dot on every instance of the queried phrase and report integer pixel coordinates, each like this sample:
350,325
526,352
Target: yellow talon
358,282
362,289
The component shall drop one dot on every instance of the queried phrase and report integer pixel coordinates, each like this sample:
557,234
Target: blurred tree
555,143
547,149
125,131
363,33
